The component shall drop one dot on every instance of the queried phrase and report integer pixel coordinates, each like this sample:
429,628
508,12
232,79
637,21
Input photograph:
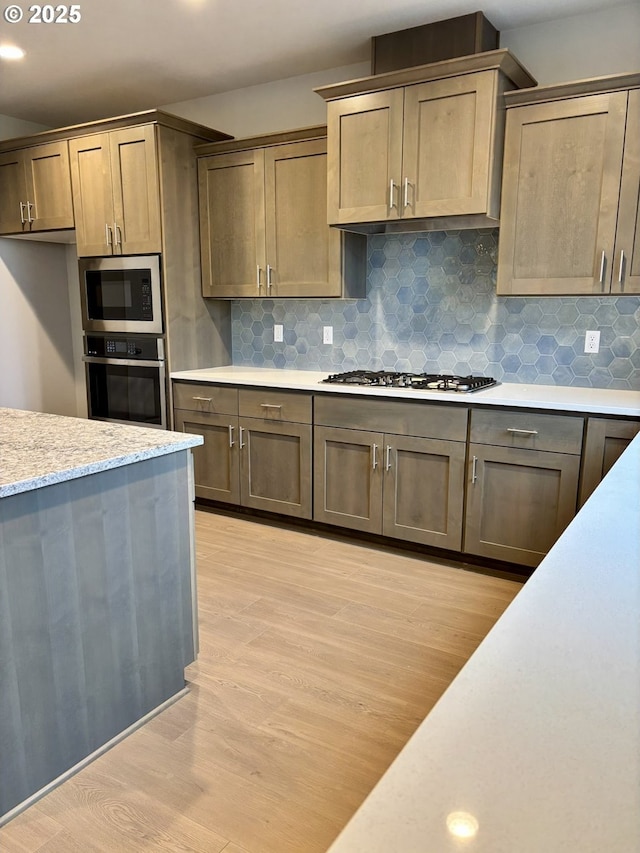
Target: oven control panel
143,347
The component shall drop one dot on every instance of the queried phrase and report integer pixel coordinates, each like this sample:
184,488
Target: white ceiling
130,55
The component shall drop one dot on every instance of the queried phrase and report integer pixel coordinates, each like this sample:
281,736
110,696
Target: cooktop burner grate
418,381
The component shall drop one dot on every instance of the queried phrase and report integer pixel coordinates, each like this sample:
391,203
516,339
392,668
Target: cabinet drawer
198,397
534,430
421,419
275,405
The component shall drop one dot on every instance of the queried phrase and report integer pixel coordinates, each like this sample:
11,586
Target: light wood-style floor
319,657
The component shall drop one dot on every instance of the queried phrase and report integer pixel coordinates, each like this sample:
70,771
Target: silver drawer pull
270,406
374,455
231,441
22,207
516,431
474,469
242,443
621,267
203,399
29,217
387,466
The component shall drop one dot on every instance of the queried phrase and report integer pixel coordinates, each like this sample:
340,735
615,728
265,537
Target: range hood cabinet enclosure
420,149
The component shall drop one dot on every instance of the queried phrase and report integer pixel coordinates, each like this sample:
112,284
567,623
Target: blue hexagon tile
431,306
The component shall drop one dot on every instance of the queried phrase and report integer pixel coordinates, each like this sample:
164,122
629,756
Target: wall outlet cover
278,333
327,334
592,342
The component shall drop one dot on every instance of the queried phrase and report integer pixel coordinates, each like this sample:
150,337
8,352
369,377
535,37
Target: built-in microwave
121,294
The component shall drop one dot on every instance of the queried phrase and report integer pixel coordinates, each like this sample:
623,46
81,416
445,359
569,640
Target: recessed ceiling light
10,51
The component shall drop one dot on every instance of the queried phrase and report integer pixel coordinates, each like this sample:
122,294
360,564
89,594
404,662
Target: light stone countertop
552,397
38,449
537,741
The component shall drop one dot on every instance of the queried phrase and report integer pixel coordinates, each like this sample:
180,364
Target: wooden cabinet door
518,501
92,197
232,228
275,467
448,137
48,186
626,263
216,462
561,182
606,440
347,472
424,490
365,157
135,187
298,239
13,192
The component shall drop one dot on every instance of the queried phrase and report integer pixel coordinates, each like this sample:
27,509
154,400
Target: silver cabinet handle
107,234
406,192
269,282
517,431
621,267
270,406
231,441
602,260
242,443
392,187
258,282
117,230
30,219
474,469
387,466
22,207
203,399
374,454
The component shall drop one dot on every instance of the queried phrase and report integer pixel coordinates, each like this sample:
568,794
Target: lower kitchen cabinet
606,439
262,462
216,463
275,466
522,486
406,486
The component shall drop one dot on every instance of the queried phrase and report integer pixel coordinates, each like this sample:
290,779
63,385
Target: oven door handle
127,362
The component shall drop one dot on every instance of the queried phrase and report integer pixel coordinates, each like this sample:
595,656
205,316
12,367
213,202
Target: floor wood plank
319,657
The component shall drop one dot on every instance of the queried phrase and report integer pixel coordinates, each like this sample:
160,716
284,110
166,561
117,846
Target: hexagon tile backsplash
431,306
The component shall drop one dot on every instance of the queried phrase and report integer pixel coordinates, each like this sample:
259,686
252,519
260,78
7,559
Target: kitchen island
97,592
536,744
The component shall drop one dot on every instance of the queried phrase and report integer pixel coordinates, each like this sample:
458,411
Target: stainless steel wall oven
126,379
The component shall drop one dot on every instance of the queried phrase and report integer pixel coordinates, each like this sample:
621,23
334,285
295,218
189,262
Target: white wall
36,354
37,364
590,45
10,127
268,108
593,45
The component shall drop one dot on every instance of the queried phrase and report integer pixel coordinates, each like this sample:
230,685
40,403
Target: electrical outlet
592,342
278,333
327,334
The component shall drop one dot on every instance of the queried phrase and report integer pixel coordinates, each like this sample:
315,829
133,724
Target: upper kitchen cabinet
35,189
263,227
421,148
570,212
116,192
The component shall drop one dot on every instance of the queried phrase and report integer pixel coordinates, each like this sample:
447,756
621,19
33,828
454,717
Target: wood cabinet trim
265,140
492,60
118,122
573,89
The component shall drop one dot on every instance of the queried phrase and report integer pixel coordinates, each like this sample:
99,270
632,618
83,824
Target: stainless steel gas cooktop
417,381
